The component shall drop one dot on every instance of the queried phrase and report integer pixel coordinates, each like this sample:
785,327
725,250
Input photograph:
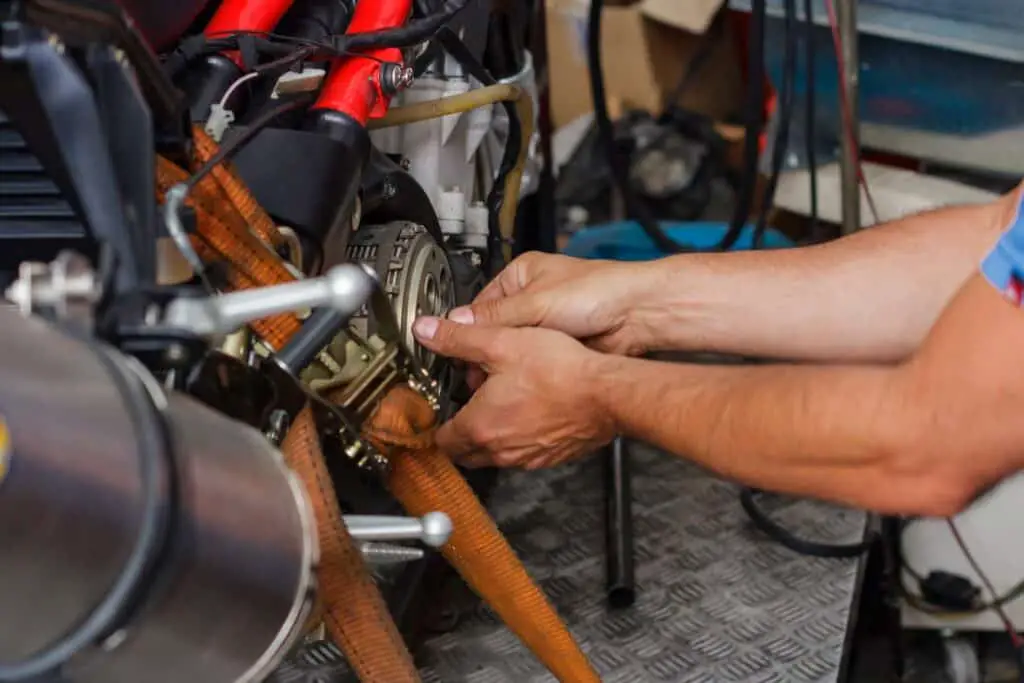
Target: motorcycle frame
353,86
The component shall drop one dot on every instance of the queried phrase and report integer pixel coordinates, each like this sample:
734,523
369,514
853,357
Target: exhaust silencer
143,536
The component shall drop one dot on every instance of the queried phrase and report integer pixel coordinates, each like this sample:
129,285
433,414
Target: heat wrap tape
424,480
235,191
224,236
232,228
354,612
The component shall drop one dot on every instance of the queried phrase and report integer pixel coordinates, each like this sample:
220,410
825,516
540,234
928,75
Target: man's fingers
455,438
475,377
507,283
472,343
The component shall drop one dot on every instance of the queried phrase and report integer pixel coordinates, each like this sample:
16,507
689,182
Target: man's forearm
869,297
833,433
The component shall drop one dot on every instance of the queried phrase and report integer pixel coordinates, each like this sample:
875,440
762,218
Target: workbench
717,601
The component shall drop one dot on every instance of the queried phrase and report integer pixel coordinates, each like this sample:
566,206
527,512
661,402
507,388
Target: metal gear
415,272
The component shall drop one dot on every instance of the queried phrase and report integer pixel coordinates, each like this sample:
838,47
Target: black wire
606,134
414,32
919,603
636,209
496,198
799,545
787,96
235,144
754,113
810,114
1011,629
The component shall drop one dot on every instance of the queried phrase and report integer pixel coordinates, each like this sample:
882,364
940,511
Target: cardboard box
647,46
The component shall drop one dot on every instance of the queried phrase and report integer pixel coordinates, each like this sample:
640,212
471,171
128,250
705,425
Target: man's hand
536,407
588,300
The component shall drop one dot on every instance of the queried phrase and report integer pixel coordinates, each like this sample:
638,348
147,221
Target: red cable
847,111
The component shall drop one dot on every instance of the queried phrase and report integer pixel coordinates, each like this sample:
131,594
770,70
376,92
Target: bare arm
920,437
869,297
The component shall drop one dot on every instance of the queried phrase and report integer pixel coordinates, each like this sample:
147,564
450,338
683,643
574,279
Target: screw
405,164
395,78
387,553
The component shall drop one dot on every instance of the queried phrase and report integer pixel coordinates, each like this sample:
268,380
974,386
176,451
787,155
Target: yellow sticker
5,449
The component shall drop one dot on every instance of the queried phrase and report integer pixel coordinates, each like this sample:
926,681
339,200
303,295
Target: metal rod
433,529
846,19
620,579
344,288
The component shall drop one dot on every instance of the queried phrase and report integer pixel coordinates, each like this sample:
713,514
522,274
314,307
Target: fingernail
425,328
463,316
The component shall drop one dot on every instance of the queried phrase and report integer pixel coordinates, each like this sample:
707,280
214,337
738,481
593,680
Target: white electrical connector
221,117
219,121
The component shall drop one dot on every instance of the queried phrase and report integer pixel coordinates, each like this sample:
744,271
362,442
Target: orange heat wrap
424,479
354,611
235,191
223,235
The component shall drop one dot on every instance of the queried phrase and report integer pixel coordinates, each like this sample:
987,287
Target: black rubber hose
798,545
636,209
787,96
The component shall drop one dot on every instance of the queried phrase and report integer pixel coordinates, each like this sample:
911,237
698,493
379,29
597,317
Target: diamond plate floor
716,601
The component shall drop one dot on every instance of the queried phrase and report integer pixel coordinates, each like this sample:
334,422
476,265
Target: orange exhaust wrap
235,191
425,480
223,235
231,229
354,611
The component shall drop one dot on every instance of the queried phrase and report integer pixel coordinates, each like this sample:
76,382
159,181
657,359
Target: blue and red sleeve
1004,265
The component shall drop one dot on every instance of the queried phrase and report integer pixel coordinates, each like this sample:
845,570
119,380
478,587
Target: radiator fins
36,220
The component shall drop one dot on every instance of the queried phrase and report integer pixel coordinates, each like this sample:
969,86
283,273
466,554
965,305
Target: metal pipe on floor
620,578
846,19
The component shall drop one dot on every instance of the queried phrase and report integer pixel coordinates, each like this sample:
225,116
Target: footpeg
433,529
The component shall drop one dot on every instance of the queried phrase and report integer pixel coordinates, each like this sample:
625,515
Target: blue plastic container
626,241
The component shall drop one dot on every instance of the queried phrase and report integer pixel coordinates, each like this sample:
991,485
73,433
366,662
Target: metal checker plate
716,600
